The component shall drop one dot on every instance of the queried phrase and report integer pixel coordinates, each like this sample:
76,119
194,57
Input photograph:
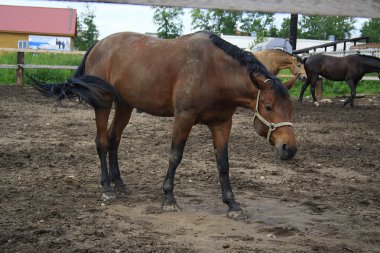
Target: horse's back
330,67
151,73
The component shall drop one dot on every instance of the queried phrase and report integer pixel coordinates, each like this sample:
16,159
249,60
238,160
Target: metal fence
371,52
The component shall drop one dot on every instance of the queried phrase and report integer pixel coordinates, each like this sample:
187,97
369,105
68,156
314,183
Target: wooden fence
20,64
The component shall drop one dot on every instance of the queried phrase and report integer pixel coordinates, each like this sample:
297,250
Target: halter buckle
272,126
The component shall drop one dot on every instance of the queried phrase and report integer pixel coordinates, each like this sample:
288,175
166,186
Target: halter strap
271,126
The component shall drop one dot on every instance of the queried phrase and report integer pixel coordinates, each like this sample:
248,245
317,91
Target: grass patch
334,88
8,76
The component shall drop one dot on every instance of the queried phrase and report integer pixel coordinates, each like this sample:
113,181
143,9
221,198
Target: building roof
38,20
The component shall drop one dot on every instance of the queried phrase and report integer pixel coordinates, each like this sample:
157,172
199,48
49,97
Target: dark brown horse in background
197,78
350,68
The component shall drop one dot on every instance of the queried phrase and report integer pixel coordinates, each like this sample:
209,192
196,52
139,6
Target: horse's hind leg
120,121
352,86
181,130
101,116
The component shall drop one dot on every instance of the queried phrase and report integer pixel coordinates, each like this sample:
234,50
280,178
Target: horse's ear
261,82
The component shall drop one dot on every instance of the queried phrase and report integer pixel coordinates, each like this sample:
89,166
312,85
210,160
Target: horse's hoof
107,196
348,100
120,188
170,207
237,215
316,104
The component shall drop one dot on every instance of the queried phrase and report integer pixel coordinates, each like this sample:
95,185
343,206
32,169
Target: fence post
20,69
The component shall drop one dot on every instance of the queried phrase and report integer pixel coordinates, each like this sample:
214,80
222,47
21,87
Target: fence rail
20,64
371,52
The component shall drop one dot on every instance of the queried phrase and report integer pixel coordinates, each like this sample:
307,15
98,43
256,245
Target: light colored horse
275,60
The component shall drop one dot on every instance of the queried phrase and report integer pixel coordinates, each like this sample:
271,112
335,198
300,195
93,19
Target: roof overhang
350,8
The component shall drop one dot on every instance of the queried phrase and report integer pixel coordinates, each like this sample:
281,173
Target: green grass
333,88
8,76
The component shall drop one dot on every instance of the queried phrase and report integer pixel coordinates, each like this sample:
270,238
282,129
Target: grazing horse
350,68
197,78
276,59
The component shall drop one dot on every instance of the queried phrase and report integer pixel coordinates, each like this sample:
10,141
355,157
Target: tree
169,22
283,32
261,23
371,28
87,32
321,27
218,21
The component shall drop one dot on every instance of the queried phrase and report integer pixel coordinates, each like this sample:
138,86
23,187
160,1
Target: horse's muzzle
286,152
302,78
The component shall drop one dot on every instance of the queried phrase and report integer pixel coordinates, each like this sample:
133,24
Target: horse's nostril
287,152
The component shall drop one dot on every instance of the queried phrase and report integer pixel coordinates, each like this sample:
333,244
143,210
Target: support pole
293,31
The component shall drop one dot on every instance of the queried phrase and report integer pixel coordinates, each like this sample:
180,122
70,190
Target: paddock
324,200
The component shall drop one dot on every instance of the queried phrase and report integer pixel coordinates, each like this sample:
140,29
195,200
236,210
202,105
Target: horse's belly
333,74
150,102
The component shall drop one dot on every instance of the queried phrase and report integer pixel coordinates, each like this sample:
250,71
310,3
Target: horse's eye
268,108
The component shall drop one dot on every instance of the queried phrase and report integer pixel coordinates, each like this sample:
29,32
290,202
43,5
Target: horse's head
298,68
272,115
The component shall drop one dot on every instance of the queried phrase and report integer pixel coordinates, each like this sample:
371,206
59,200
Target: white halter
271,126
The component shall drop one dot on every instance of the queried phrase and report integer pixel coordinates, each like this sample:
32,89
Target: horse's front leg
220,134
181,130
313,84
303,88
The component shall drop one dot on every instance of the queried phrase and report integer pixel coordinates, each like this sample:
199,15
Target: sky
112,18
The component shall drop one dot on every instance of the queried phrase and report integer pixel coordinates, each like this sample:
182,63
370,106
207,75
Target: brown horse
350,68
275,60
197,78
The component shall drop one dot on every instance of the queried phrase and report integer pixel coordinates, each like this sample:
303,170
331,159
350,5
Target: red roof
38,20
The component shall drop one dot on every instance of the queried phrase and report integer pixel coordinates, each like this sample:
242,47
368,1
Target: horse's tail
91,89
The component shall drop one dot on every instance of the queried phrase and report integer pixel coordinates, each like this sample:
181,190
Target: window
22,44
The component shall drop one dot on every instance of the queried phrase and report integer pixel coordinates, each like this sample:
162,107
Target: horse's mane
249,61
286,52
369,56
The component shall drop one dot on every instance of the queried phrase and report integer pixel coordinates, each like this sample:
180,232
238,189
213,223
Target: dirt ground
324,200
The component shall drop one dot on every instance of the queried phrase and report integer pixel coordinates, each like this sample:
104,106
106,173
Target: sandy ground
324,200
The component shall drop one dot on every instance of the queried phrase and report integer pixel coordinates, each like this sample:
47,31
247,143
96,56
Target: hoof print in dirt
237,215
282,231
152,210
170,207
107,196
120,189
